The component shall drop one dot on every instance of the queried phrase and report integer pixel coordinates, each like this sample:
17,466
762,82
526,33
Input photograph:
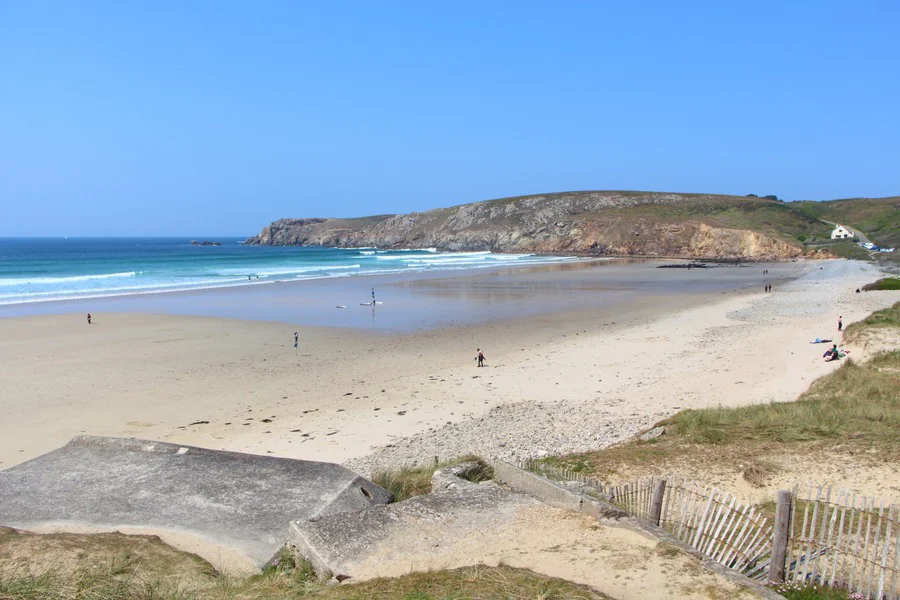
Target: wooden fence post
656,503
780,536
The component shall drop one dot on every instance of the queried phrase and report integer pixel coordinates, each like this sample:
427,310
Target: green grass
888,283
406,482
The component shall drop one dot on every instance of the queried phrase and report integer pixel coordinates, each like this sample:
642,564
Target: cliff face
584,223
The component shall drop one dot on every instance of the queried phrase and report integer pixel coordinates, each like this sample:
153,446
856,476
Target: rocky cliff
583,223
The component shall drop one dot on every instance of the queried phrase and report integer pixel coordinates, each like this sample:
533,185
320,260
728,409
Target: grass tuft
887,283
407,482
758,473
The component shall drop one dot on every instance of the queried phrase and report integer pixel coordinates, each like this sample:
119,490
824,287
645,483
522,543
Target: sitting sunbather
832,354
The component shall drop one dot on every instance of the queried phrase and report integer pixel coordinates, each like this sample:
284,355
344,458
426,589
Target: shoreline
22,308
424,299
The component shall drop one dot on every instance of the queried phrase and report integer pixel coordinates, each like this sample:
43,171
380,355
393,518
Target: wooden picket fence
730,532
714,522
825,536
840,539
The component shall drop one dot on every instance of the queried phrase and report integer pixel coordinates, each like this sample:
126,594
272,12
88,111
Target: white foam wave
284,271
57,280
447,256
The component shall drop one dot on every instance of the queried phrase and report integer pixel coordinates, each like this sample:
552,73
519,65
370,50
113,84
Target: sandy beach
566,379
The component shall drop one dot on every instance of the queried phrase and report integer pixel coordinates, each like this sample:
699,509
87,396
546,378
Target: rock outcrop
574,223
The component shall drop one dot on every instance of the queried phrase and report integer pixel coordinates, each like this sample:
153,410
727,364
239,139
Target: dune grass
888,318
887,283
857,400
500,583
406,482
104,583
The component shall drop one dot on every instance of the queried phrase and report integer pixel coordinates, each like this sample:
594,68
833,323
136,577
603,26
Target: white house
840,232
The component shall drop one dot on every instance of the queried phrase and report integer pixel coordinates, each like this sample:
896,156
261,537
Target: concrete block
242,501
342,544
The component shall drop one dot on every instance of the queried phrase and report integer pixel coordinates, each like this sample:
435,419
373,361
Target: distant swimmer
479,357
89,318
248,278
296,338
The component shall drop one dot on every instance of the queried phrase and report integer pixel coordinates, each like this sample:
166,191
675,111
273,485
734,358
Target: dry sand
567,381
616,560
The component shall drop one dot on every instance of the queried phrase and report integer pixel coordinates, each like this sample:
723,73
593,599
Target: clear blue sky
182,118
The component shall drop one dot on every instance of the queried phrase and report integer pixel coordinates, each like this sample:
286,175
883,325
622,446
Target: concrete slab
347,544
242,501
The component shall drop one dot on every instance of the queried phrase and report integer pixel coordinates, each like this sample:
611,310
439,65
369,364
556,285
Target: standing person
296,337
373,296
840,323
89,318
479,357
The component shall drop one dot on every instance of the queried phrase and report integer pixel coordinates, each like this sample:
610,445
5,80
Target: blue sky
154,118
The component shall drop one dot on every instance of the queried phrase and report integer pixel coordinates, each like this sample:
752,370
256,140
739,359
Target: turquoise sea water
40,270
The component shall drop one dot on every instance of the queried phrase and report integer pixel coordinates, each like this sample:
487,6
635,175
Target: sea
54,269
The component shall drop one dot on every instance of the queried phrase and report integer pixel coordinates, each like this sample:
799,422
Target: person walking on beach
840,323
89,318
296,337
373,296
479,357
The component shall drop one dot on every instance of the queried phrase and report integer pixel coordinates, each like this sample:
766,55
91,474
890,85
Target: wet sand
427,300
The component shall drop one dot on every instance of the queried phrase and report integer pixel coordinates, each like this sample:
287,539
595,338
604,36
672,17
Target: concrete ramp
242,501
